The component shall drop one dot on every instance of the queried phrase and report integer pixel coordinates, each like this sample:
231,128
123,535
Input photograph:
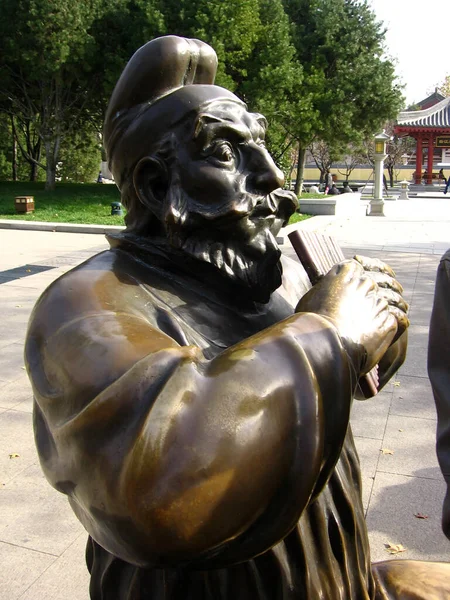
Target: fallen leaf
386,451
13,455
400,429
28,270
394,548
23,368
420,516
396,384
18,306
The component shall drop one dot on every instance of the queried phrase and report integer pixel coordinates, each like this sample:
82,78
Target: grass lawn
296,217
71,203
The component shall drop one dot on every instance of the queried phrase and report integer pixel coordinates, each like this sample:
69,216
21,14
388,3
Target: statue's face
225,204
226,170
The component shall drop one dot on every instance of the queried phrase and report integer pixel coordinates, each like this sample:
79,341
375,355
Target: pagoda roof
435,116
429,101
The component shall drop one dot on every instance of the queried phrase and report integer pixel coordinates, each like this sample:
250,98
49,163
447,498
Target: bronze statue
192,391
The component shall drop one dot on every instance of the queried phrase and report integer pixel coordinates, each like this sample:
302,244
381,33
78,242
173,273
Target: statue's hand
359,308
390,289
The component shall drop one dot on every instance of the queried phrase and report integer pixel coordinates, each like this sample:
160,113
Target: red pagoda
430,127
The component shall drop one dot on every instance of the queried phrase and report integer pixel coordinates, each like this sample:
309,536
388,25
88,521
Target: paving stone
415,364
425,286
19,569
390,518
11,361
34,515
17,438
413,398
12,334
421,306
369,453
66,579
17,394
412,441
369,417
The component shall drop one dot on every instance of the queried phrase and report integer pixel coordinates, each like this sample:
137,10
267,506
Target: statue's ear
151,182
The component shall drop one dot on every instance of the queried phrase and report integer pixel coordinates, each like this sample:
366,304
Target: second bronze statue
192,389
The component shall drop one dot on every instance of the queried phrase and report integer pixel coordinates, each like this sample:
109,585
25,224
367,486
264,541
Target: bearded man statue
192,390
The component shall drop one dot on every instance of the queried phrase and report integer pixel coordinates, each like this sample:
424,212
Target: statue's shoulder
89,288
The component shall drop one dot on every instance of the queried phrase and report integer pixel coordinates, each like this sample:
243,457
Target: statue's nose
265,175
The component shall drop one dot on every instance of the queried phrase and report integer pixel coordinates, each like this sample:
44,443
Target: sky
418,38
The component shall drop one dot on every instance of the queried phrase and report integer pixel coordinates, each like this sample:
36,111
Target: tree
349,89
396,148
117,32
324,155
443,87
272,74
231,28
45,80
80,157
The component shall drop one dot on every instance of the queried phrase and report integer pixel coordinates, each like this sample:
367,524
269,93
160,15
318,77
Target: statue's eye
223,152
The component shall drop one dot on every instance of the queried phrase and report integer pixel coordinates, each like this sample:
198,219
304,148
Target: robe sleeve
169,459
439,373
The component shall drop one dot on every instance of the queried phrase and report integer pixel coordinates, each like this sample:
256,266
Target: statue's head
192,166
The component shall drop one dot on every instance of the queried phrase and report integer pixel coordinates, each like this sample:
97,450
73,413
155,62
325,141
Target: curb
59,227
312,223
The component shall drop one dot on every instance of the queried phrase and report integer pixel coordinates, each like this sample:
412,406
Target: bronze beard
242,246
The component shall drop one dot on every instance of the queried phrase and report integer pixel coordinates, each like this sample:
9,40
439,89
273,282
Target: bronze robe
202,440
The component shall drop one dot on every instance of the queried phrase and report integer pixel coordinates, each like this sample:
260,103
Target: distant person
333,191
347,189
99,178
385,183
314,189
447,185
442,177
439,373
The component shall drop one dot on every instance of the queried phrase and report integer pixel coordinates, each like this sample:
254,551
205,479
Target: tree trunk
300,169
322,175
33,172
14,159
14,152
37,157
50,182
51,156
391,176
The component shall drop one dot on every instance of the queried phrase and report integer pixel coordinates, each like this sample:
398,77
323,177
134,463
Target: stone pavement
41,542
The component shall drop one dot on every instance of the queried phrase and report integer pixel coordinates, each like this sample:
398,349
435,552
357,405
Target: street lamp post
377,202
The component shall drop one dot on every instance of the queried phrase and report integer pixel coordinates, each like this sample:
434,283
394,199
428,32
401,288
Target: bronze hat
164,80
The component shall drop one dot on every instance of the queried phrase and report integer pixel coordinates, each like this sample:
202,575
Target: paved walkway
41,542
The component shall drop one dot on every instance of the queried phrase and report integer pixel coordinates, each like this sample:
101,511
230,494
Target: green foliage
120,28
315,68
273,75
46,80
231,28
80,158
